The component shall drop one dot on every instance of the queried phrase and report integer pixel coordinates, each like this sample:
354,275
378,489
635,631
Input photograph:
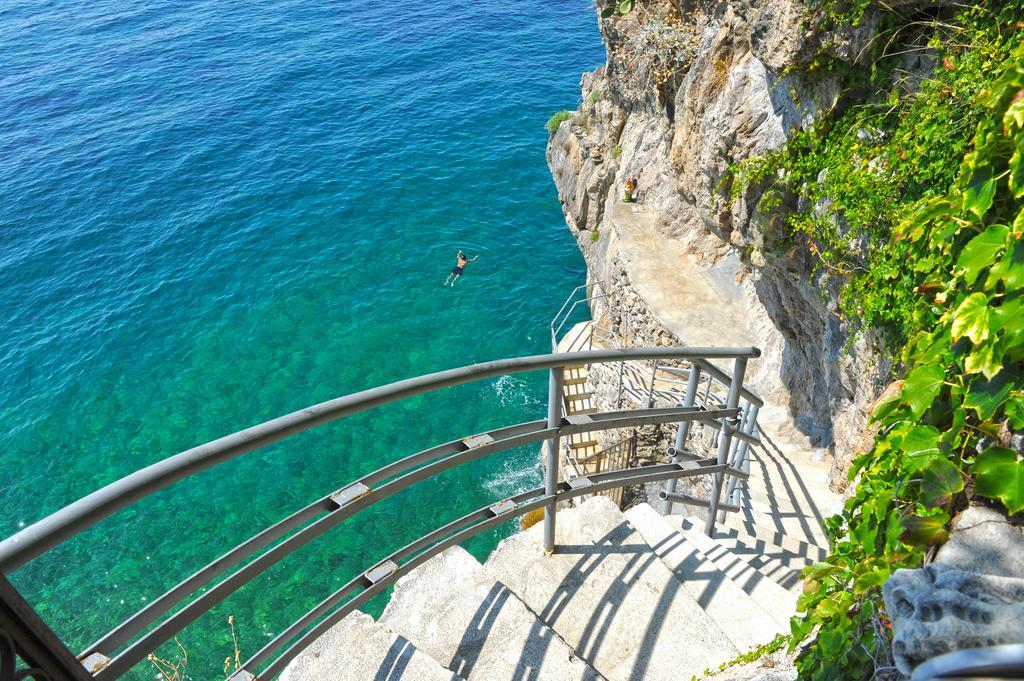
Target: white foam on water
512,392
514,477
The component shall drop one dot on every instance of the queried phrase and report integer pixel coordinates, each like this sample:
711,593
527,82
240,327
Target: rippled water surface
214,213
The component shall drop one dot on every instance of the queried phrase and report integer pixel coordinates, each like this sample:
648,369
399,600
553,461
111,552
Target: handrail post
732,402
618,396
654,376
683,430
555,381
739,454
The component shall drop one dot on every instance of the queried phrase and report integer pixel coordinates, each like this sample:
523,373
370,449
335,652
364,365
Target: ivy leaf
980,191
914,226
625,6
607,12
1018,225
999,474
1014,114
981,251
985,359
819,570
940,482
971,319
924,530
872,579
1016,181
920,447
984,397
1015,412
922,386
1009,270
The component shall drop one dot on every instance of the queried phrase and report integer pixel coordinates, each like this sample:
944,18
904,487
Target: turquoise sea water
215,213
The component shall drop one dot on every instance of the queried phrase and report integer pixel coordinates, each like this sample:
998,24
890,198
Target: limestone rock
982,540
940,609
739,94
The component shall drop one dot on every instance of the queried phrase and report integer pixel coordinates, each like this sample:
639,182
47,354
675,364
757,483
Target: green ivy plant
947,427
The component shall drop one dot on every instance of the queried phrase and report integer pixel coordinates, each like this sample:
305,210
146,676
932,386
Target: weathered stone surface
982,540
359,649
939,609
454,610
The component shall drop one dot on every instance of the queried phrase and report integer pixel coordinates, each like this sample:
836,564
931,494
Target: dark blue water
214,213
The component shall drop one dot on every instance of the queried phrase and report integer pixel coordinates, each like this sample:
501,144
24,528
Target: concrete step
453,609
739,526
359,649
797,526
745,622
581,440
781,566
574,388
770,596
610,597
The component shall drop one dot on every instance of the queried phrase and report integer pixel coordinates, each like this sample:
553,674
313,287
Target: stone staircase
626,596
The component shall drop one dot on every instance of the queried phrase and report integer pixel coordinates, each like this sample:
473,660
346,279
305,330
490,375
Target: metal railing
666,384
993,662
23,632
572,302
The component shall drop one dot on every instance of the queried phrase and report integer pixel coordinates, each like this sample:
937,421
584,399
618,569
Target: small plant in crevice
617,8
594,235
752,655
557,119
616,152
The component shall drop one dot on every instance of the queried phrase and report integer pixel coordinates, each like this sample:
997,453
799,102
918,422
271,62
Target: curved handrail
43,535
328,513
443,538
995,662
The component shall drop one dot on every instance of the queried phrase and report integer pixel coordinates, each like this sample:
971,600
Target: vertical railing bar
683,429
732,402
744,463
555,381
738,450
650,392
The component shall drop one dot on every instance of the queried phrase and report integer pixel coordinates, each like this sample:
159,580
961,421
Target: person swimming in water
460,262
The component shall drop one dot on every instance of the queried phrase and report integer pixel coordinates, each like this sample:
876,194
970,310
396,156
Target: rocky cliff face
688,89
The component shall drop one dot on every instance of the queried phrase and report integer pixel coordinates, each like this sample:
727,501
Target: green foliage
595,96
616,152
856,175
756,653
619,7
999,473
557,119
594,236
955,286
